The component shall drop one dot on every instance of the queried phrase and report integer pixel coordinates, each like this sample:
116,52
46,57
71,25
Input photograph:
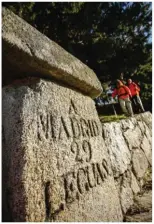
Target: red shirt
123,92
134,89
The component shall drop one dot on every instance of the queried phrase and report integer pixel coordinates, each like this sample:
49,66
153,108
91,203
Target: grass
111,118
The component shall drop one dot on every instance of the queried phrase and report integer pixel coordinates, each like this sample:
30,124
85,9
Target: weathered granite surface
129,144
56,164
59,162
27,52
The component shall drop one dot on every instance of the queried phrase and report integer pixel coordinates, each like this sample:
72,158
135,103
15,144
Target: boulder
117,147
126,193
140,163
28,52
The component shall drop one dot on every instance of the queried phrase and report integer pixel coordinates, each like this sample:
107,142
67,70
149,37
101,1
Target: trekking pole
114,110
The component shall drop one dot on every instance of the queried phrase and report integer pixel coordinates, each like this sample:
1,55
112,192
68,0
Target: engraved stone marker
59,168
55,164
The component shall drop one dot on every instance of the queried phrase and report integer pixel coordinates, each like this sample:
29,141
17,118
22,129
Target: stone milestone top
27,52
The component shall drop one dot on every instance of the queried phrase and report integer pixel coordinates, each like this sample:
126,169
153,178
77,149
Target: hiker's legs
139,102
129,106
134,104
123,106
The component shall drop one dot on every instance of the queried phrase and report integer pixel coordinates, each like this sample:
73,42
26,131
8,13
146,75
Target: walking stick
114,110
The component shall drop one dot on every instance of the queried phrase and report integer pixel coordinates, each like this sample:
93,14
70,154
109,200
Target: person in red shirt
124,95
136,100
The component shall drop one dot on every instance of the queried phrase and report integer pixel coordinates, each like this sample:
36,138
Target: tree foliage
110,37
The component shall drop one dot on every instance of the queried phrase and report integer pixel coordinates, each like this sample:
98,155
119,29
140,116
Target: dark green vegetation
108,37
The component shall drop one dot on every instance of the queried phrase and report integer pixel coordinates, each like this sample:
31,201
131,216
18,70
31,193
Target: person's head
129,81
118,83
122,75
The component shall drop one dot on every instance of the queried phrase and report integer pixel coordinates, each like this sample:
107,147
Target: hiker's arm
137,88
114,93
128,91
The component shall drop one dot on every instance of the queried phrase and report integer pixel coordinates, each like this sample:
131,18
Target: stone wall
129,144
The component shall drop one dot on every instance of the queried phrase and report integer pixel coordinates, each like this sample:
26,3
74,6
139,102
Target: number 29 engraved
82,151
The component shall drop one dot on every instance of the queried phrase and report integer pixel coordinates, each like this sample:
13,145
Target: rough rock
27,52
58,168
132,133
129,144
141,211
118,150
140,163
147,148
134,184
141,217
146,118
126,197
126,193
144,201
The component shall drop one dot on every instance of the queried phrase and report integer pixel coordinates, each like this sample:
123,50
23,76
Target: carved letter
63,129
70,187
101,171
72,108
91,128
87,149
82,182
95,128
91,175
85,128
75,127
104,163
47,199
54,126
75,148
43,126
